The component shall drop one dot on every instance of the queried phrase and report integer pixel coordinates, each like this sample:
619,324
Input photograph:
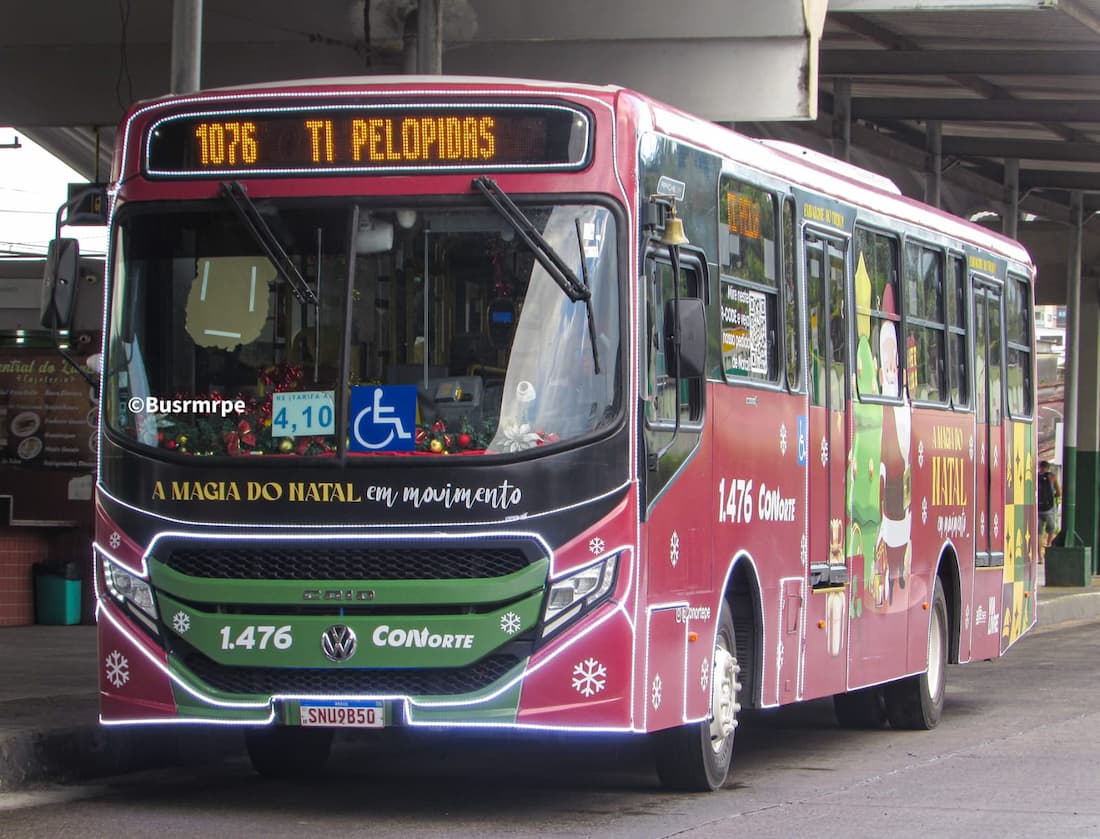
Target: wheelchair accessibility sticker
383,418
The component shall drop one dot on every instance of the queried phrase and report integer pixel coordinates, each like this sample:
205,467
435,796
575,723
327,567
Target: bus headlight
126,587
572,596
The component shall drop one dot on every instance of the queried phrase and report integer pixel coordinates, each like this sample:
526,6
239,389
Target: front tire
917,702
696,757
288,752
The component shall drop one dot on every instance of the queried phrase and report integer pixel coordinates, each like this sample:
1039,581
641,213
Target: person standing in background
1050,494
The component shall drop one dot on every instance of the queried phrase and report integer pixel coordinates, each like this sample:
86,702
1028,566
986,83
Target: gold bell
674,230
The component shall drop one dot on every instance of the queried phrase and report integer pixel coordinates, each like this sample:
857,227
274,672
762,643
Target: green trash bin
57,592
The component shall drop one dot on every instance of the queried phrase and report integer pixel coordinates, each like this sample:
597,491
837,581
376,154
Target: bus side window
790,300
818,318
877,313
665,394
748,266
924,347
958,363
1018,320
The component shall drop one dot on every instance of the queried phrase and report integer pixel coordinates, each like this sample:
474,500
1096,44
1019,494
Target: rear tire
865,708
696,757
288,752
917,702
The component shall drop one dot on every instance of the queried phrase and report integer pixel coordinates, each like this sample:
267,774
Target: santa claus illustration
893,553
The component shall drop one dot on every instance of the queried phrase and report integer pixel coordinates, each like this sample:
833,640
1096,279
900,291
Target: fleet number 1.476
737,506
257,637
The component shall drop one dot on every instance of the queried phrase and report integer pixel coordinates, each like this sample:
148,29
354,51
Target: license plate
336,714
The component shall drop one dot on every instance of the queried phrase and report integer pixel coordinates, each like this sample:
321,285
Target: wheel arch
948,575
742,592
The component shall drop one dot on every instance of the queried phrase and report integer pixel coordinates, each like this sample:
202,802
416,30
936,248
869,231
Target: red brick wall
20,548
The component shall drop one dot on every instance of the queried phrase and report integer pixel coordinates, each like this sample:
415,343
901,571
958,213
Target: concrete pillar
842,119
409,58
1073,329
1086,489
186,46
1071,562
1010,222
935,163
429,37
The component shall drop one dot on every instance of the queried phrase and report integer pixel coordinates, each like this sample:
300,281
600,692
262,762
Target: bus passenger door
988,470
677,474
826,284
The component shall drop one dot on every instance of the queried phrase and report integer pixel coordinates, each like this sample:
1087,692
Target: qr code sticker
758,332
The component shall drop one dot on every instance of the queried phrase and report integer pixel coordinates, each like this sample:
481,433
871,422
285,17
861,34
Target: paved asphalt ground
49,729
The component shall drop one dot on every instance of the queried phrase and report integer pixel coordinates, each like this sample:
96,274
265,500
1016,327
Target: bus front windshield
231,336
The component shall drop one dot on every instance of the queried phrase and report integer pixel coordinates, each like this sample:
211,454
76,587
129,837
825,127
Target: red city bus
509,404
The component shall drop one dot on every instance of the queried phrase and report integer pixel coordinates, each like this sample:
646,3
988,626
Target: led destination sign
344,139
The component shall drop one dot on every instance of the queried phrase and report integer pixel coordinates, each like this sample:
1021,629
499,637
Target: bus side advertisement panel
943,515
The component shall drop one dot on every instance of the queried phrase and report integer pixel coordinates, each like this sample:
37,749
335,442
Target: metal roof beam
1024,149
976,110
915,62
867,28
889,6
1070,181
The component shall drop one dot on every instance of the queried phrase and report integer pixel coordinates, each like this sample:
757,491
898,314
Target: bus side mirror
689,361
59,284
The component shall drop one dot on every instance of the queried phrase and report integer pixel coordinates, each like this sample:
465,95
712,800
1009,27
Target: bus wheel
696,757
917,702
864,708
280,751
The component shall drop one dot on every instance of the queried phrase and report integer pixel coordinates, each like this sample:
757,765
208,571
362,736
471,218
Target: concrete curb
1082,605
84,752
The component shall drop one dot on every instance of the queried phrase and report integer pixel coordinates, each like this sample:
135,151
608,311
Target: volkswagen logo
338,643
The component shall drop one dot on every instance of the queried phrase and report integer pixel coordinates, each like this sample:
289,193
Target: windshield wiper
544,253
588,300
548,258
250,216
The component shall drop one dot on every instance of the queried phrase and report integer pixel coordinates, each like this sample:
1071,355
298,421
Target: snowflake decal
967,618
970,447
920,454
783,439
674,548
114,539
596,546
181,622
924,510
656,693
996,457
510,623
996,525
804,548
981,523
824,451
589,677
704,675
118,669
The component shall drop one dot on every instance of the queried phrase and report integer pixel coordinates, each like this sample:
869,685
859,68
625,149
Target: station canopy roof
1006,85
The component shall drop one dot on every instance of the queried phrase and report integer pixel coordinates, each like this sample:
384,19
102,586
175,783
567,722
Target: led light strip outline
409,703
633,482
534,89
